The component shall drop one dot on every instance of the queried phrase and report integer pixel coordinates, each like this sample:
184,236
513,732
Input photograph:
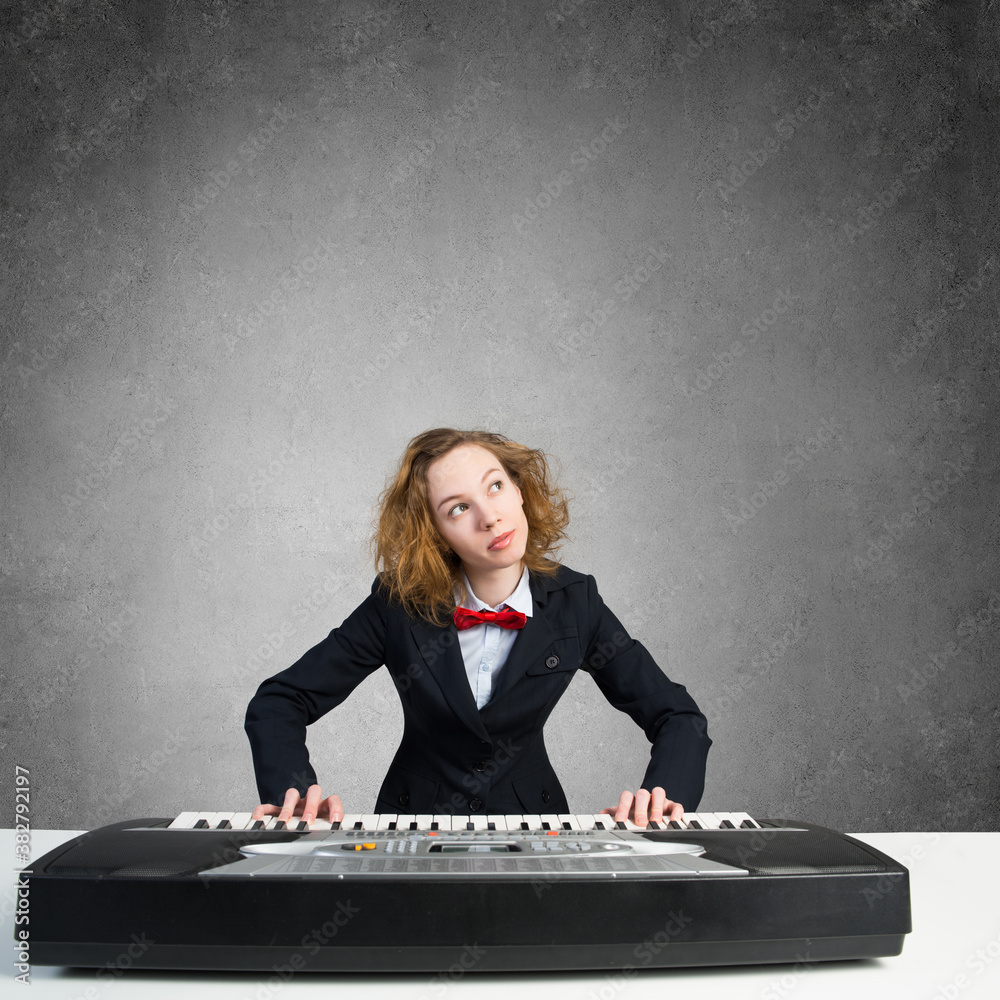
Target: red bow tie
466,618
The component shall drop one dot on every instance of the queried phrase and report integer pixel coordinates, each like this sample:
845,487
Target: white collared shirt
485,646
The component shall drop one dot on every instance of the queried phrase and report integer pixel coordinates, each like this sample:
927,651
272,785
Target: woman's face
474,503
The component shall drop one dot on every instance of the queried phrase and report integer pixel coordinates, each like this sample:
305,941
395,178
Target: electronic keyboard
418,893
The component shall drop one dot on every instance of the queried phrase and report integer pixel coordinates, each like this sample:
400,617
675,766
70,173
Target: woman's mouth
501,541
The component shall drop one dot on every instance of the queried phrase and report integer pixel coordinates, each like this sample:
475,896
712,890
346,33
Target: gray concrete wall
734,265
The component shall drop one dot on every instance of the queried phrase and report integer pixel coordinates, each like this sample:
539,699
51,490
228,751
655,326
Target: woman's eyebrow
459,496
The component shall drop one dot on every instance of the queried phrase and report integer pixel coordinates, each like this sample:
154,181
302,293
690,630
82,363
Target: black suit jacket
455,757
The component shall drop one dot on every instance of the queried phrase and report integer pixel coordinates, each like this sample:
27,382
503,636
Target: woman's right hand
313,806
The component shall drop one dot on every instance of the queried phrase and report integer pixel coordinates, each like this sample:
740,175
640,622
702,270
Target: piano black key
335,826
392,825
748,824
258,824
524,826
413,825
225,825
470,825
726,825
202,824
303,825
674,825
620,825
545,826
280,825
695,825
491,826
357,825
566,826
434,825
653,825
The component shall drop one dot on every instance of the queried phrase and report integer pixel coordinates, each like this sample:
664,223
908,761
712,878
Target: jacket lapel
442,657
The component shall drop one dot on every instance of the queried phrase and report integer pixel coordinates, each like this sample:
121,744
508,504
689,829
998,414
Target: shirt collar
520,600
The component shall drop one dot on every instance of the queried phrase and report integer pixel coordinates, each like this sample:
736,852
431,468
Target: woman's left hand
644,807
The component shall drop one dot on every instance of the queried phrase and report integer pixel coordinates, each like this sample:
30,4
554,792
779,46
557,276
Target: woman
482,632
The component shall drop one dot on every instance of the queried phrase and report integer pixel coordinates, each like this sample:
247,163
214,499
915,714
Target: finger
288,807
264,809
673,811
657,803
314,795
641,809
624,805
334,808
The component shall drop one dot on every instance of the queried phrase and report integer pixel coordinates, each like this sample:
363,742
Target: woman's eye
497,482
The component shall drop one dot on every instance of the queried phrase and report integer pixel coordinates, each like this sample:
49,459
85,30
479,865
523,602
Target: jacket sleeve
631,680
286,703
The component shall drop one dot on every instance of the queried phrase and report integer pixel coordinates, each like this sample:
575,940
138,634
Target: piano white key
585,822
241,821
184,821
572,820
216,818
500,822
369,822
478,822
552,820
443,821
349,821
383,820
424,821
710,821
269,822
533,820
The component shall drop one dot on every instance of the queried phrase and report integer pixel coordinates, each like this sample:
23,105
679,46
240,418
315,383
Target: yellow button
368,847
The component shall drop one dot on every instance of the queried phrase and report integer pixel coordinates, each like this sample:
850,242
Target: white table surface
953,952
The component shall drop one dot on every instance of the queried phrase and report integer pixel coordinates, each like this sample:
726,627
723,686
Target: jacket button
475,805
552,661
479,766
404,798
546,796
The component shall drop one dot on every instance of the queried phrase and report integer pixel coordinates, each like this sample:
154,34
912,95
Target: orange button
552,833
368,847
